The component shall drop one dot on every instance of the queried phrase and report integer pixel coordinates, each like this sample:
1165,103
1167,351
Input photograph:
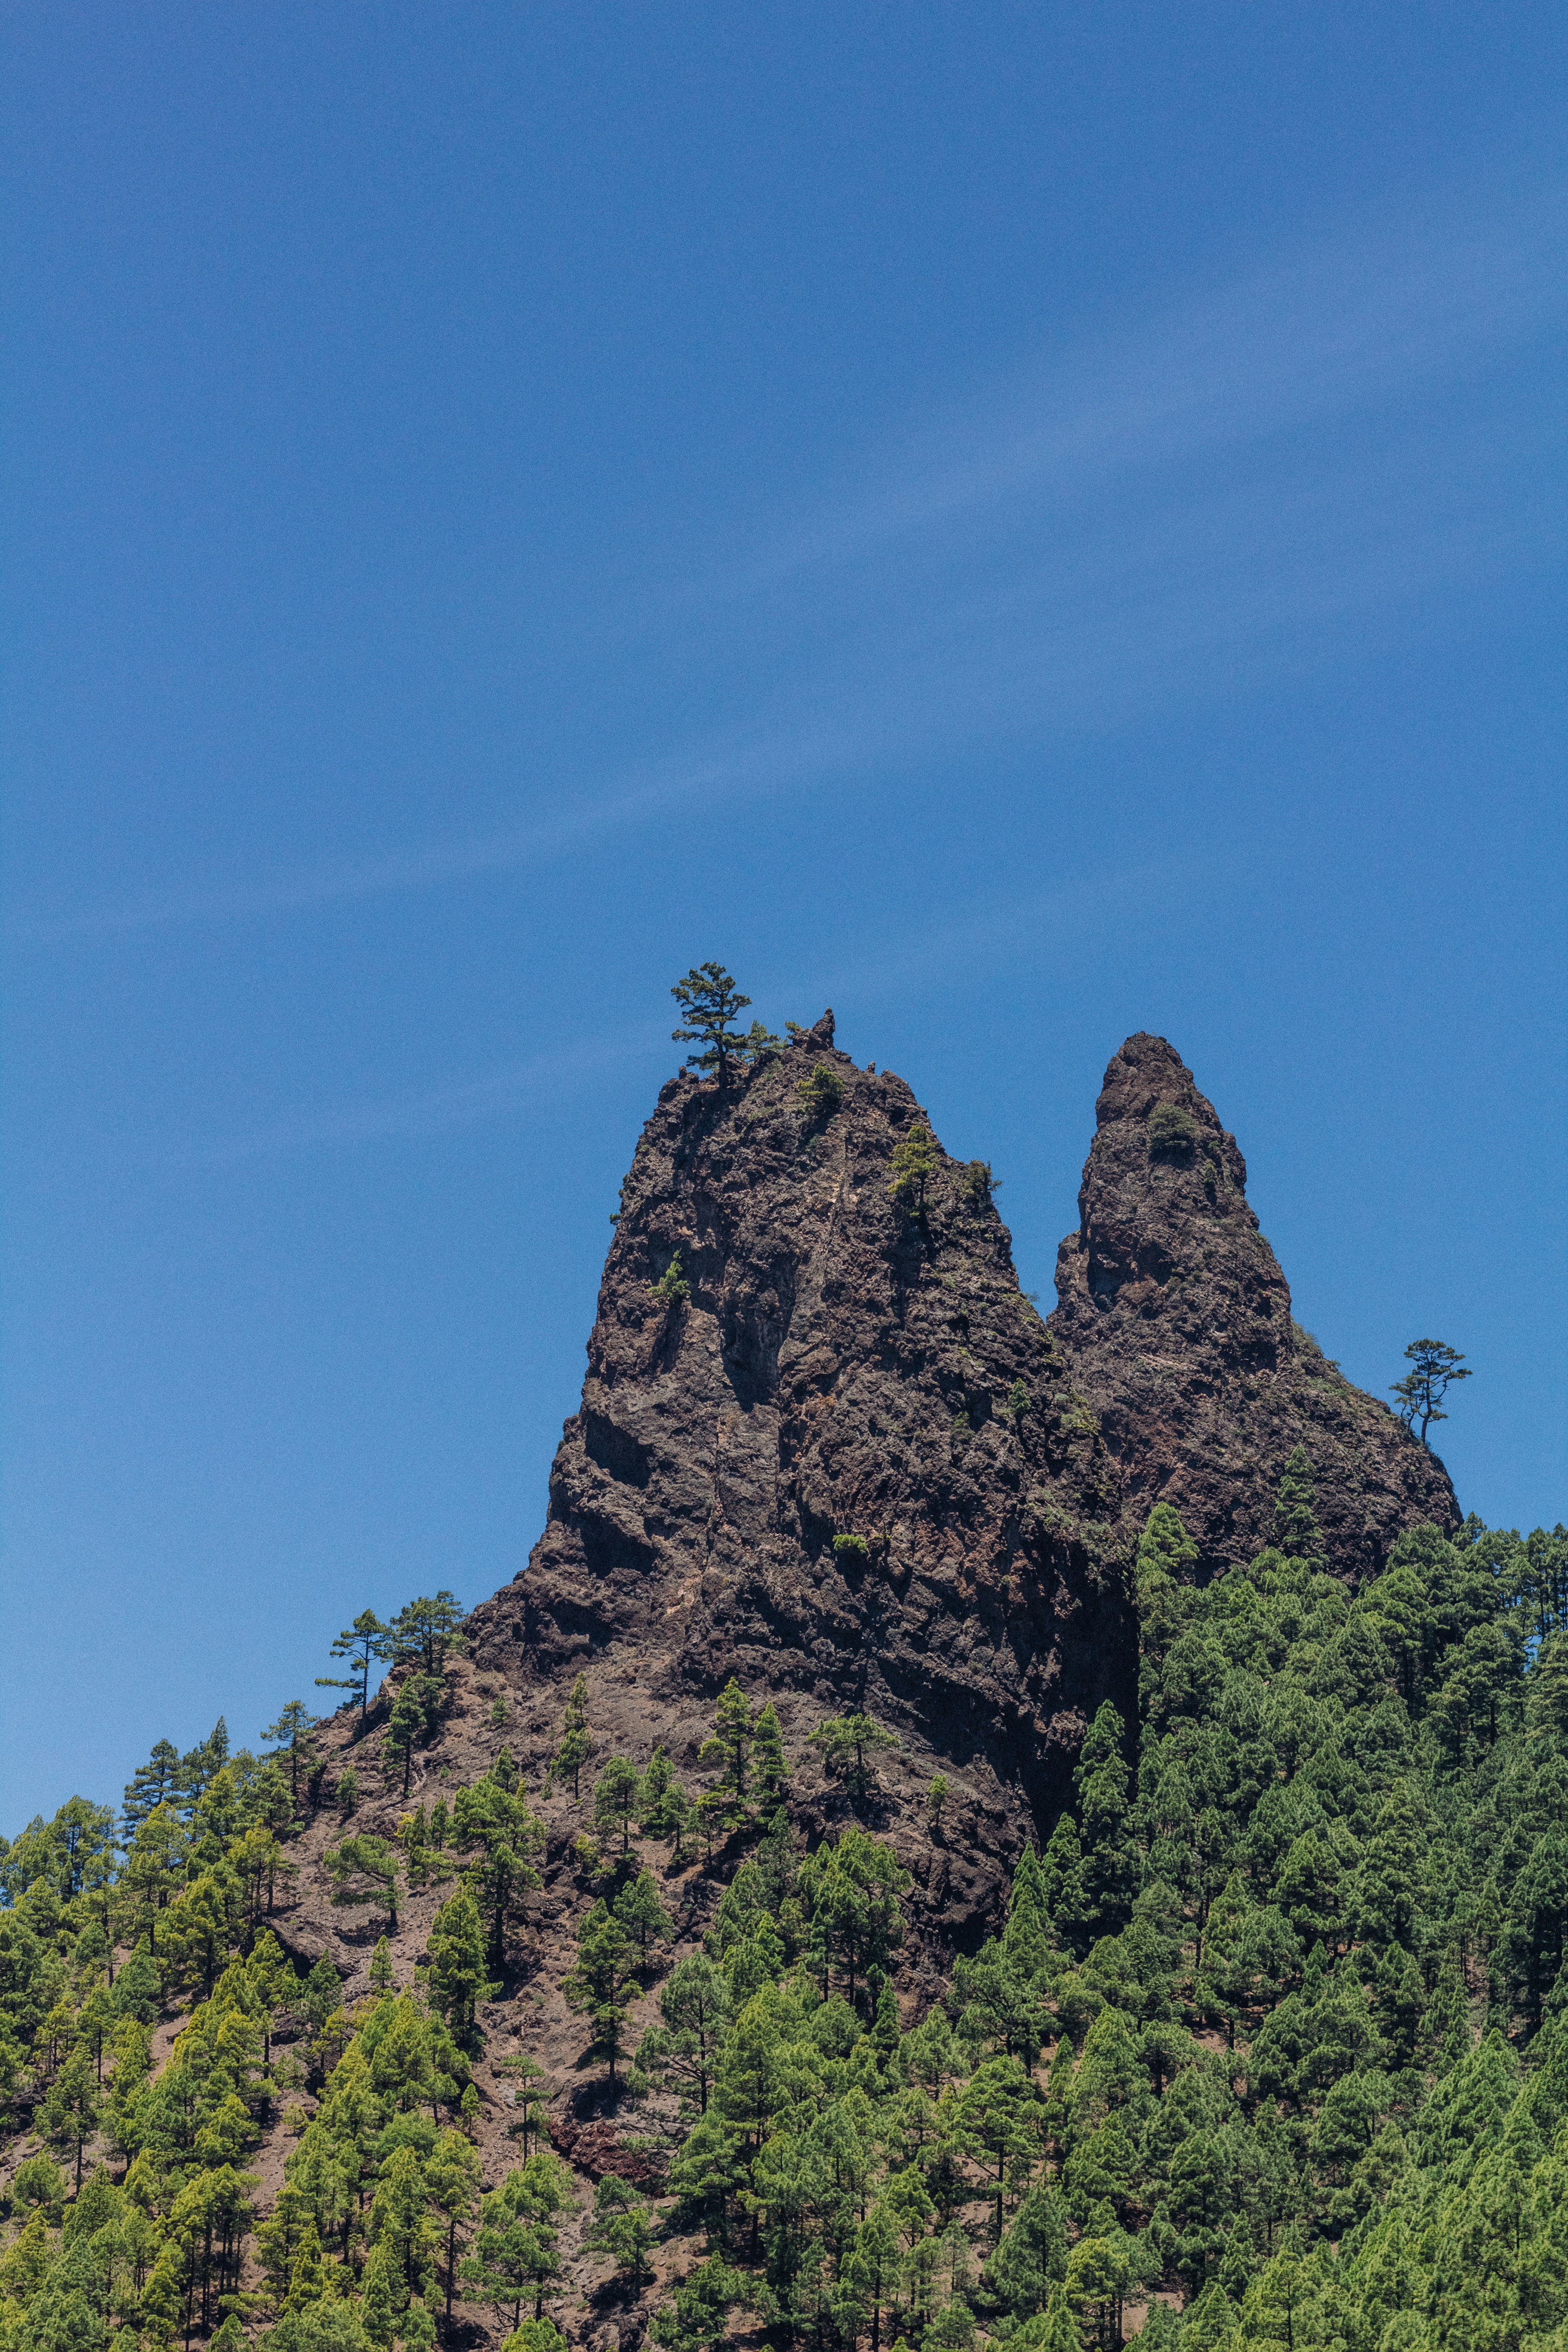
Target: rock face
808,1473
854,1468
1176,1318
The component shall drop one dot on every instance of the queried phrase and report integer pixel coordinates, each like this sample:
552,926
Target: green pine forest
1269,2050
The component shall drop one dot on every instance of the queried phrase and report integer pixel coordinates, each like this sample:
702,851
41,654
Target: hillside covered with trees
1270,2046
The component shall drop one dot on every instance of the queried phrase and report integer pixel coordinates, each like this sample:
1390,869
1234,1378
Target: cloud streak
1373,315
1173,512
408,1116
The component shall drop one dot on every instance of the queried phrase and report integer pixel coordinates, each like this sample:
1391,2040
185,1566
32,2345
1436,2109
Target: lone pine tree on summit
710,1001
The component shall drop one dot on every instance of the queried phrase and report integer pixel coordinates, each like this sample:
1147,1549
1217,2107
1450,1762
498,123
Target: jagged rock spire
1177,1320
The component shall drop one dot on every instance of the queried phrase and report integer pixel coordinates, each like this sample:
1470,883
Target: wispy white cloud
1374,315
1167,513
409,1114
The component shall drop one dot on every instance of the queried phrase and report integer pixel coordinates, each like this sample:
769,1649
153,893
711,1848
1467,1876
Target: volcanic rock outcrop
850,1467
1176,1319
853,1466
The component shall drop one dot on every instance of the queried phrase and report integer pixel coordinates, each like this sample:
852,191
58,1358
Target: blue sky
1024,524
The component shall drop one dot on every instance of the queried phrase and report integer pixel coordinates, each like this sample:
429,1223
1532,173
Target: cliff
841,1370
855,1469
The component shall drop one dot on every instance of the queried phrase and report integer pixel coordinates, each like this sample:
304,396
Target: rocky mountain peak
1176,1317
826,1444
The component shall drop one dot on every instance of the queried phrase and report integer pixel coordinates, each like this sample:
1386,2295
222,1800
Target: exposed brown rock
1177,1320
597,2148
842,1370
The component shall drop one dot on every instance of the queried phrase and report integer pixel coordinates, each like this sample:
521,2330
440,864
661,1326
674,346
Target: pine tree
515,2244
697,2319
360,1645
872,2268
1060,2330
997,2121
616,1797
1435,1368
848,1743
680,1815
1166,1564
271,1985
69,2114
201,1766
1111,1862
695,2006
508,1837
152,1784
820,1092
425,1632
293,1735
1296,1529
641,1914
381,2300
730,1746
521,2069
600,1982
364,1869
410,1720
1062,1878
1223,1979
323,1992
453,2179
163,2297
576,1745
769,1770
1546,1692
1031,2257
621,2228
658,1781
915,1161
458,1975
708,1000
672,1288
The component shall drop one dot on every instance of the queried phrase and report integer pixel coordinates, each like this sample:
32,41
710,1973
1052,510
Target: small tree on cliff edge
915,1162
710,1000
1422,1391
